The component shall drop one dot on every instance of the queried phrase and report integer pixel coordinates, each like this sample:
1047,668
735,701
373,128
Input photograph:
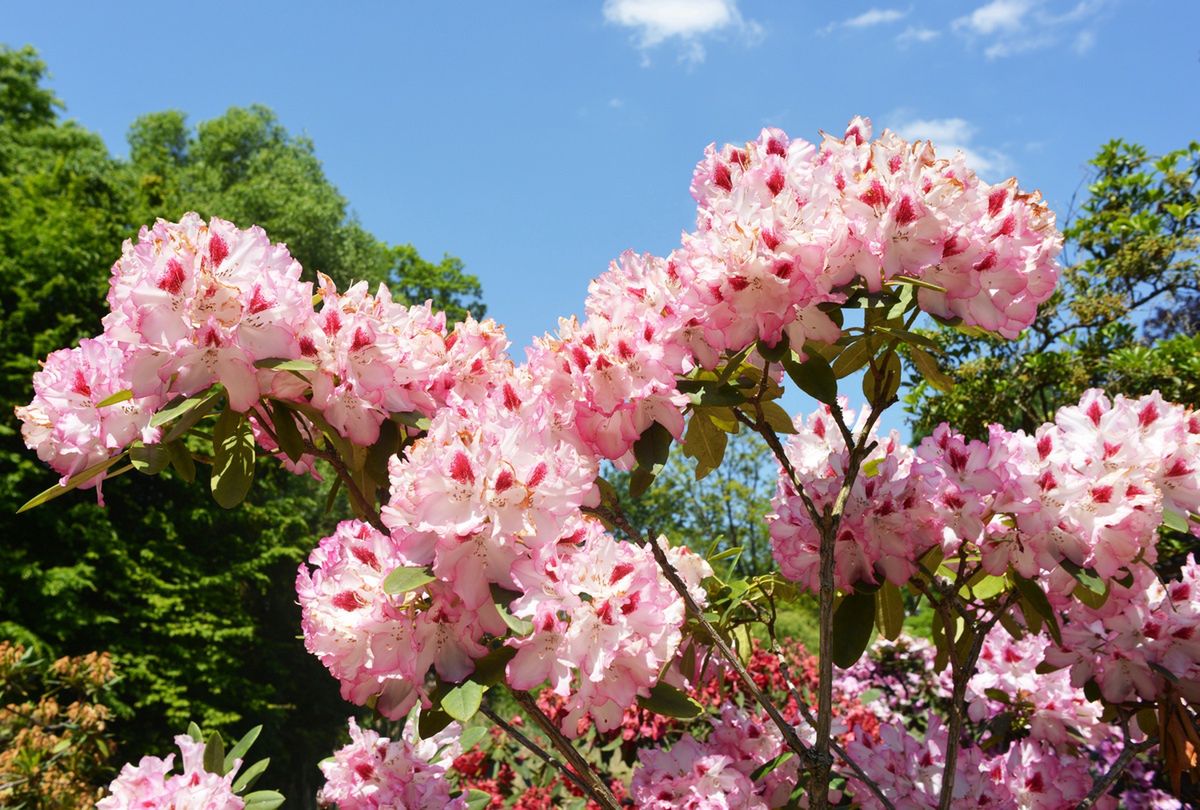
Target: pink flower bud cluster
151,785
783,227
375,773
605,622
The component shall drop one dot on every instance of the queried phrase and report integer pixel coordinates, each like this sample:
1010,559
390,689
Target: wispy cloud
688,22
915,34
950,134
1010,27
868,19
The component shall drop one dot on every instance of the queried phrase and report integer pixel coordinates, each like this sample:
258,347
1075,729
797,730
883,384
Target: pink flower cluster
909,771
64,421
716,774
886,525
380,645
1054,711
195,303
151,785
1085,493
784,227
375,773
605,622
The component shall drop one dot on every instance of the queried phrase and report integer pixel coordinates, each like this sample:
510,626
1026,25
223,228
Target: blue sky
537,140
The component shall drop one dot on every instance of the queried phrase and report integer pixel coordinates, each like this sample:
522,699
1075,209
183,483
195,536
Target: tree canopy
195,604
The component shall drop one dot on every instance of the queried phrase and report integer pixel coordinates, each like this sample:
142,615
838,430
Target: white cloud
868,19
1010,27
687,21
916,34
996,16
875,16
950,134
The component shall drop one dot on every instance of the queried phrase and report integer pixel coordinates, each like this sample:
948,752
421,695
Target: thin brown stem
1102,785
617,518
596,787
365,506
540,752
802,707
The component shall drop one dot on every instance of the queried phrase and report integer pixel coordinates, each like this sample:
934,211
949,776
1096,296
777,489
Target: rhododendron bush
487,557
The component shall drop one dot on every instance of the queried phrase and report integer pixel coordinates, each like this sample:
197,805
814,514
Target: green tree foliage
724,510
1122,318
196,604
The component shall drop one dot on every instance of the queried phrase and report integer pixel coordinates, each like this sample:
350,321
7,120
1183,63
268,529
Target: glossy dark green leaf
489,670
1035,597
149,459
233,459
72,483
241,747
705,442
853,622
666,700
814,376
889,611
214,754
287,433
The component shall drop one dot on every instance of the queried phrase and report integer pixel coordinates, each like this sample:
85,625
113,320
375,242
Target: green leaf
666,700
489,670
287,433
653,446
704,442
1091,590
214,754
854,356
195,733
774,353
889,611
929,369
478,800
240,748
1175,521
716,395
431,721
282,364
149,459
472,737
382,451
1035,597
73,482
181,460
250,775
407,578
188,411
463,701
779,420
815,376
233,459
852,624
770,765
263,800
912,339
113,399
